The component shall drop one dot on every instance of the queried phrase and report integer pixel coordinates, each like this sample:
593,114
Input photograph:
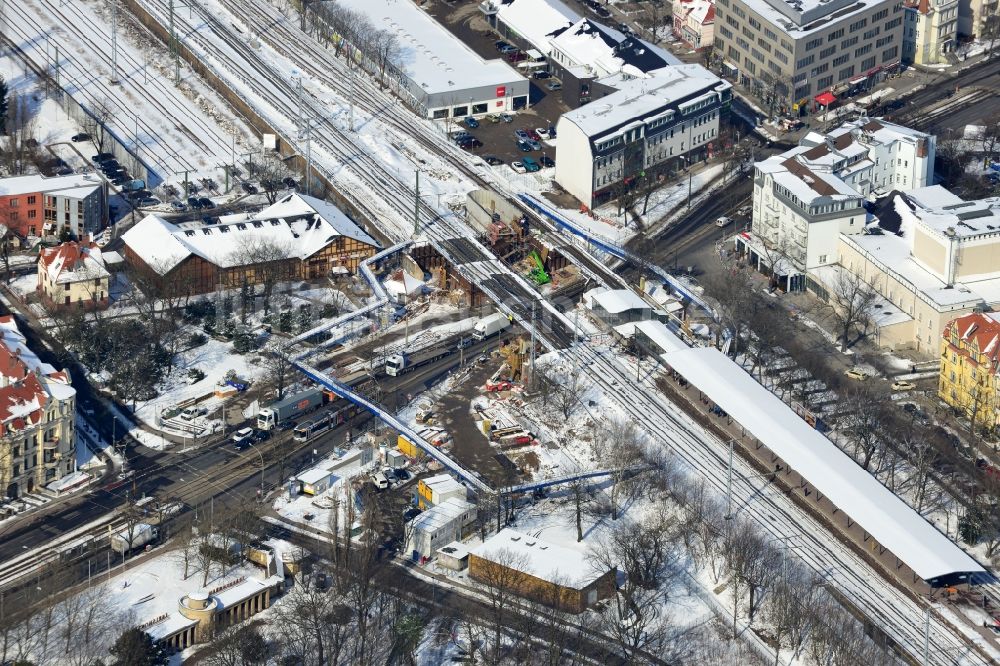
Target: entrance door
12,491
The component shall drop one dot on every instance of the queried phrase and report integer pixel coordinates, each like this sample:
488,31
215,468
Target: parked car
118,181
194,202
723,221
191,413
506,50
101,157
546,161
206,203
458,136
903,385
534,144
242,438
856,374
552,131
541,74
506,117
470,142
499,44
521,135
542,132
178,206
554,85
248,188
286,425
471,122
493,117
517,56
149,201
82,136
530,164
493,160
524,145
403,475
289,182
518,167
532,134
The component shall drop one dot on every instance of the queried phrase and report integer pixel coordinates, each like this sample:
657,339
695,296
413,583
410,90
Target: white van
722,221
378,478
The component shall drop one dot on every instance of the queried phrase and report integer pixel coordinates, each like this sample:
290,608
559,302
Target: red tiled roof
70,253
982,329
14,396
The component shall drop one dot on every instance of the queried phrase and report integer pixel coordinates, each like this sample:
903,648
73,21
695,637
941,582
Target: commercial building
296,238
970,367
37,417
434,72
614,307
73,274
806,197
439,525
648,125
694,22
934,258
43,207
556,576
931,31
590,59
438,489
806,52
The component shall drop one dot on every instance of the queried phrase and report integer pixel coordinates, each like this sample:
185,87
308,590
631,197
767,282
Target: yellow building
73,274
970,360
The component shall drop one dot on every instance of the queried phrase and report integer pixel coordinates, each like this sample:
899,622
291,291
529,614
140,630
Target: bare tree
271,171
851,305
752,563
242,645
569,392
866,421
618,448
96,123
501,577
267,260
386,52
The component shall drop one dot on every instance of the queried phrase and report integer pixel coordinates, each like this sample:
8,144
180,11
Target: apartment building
806,197
970,367
44,207
661,122
37,411
73,274
808,49
976,18
930,31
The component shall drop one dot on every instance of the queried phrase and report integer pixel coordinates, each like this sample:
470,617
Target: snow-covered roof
442,483
637,99
73,261
430,55
296,226
657,332
314,475
26,382
616,301
440,515
833,474
701,12
537,21
602,51
74,185
553,563
801,17
933,196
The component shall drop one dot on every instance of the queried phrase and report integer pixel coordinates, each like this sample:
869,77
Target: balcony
50,444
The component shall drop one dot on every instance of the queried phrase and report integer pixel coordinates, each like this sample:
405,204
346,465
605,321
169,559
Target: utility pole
174,51
185,172
729,484
114,42
416,207
298,96
350,99
309,159
927,636
532,350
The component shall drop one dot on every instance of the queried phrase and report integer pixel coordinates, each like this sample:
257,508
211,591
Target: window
825,82
835,35
827,52
726,32
32,214
32,200
878,16
864,50
754,22
858,25
816,71
822,258
847,72
840,60
888,54
805,62
848,43
813,43
868,63
14,203
873,33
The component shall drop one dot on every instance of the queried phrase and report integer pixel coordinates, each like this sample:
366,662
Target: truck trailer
289,407
142,534
490,325
398,364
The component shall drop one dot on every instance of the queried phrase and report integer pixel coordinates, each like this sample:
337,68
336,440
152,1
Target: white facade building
932,26
438,74
806,197
662,122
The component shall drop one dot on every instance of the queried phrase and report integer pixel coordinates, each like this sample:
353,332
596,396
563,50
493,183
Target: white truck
490,325
142,534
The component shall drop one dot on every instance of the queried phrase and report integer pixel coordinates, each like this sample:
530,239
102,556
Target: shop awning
860,79
825,99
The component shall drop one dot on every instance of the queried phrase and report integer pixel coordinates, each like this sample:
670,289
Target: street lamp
261,469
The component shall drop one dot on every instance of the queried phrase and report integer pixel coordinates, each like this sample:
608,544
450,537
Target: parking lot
465,21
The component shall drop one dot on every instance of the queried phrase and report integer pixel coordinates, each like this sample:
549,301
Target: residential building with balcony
37,412
932,27
694,22
806,52
970,367
44,207
806,197
73,275
648,125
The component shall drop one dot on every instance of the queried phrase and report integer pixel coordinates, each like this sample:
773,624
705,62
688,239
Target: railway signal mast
114,42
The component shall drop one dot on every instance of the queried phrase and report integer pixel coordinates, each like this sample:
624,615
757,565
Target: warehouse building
296,238
660,123
438,75
557,576
808,52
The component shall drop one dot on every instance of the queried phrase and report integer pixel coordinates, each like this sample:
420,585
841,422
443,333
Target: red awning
825,99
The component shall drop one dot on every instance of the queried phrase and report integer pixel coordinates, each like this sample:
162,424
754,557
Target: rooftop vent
189,232
515,537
